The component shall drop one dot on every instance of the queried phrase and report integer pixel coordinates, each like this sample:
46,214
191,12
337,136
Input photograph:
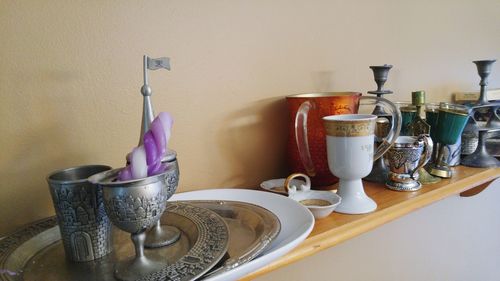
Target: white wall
455,239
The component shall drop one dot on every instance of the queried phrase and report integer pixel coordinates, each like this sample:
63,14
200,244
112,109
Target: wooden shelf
337,228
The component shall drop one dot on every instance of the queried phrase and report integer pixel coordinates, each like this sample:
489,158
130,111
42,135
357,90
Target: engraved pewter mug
405,158
350,150
85,228
306,143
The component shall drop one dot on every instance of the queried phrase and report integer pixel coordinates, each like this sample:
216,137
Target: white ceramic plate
296,223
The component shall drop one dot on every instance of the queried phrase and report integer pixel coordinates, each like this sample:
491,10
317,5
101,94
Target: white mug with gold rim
350,149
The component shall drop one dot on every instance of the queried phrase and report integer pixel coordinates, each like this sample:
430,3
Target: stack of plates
260,228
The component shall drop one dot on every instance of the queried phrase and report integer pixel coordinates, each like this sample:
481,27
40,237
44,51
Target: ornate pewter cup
133,206
85,228
405,158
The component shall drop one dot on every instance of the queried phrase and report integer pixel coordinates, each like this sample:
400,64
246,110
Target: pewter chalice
134,206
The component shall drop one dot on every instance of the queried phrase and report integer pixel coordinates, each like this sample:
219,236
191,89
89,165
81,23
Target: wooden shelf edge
330,238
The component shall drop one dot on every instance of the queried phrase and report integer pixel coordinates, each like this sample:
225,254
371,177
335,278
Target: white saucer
278,185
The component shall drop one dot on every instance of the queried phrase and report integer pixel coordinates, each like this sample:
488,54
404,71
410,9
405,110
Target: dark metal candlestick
380,72
484,70
480,157
380,171
472,129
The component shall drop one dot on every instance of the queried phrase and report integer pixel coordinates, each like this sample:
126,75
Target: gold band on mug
350,128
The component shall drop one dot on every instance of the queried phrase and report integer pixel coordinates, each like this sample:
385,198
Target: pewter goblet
164,235
133,206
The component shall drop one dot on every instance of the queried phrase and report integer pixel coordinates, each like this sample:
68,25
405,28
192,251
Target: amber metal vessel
306,142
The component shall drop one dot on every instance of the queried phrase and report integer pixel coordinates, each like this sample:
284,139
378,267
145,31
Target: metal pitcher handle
301,137
389,140
426,153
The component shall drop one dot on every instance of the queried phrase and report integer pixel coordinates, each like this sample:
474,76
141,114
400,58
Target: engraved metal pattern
172,178
400,182
133,213
208,244
213,243
404,159
12,241
256,226
85,228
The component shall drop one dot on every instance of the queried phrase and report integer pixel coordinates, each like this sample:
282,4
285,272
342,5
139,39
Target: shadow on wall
253,141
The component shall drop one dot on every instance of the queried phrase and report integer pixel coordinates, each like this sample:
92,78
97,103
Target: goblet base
136,268
161,235
425,178
480,160
441,171
354,198
411,185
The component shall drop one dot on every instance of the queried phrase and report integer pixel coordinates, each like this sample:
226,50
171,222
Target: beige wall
70,73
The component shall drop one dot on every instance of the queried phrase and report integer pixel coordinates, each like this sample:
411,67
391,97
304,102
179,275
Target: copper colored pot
307,141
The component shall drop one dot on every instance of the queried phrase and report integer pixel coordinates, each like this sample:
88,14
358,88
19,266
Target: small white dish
278,185
320,203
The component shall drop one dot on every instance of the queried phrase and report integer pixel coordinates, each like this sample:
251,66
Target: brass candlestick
420,127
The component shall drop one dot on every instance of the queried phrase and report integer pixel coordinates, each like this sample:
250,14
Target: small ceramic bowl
320,203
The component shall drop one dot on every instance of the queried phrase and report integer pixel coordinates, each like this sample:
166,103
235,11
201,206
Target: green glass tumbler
450,125
408,114
431,117
451,122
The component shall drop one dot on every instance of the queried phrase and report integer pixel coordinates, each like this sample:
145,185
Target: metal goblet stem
441,169
140,265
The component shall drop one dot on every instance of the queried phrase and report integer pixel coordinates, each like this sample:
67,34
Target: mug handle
301,137
289,179
389,140
426,154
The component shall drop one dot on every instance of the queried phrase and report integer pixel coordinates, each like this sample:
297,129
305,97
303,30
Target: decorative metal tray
251,230
36,252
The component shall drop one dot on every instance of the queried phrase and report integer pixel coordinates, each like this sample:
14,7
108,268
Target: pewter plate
251,230
36,252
